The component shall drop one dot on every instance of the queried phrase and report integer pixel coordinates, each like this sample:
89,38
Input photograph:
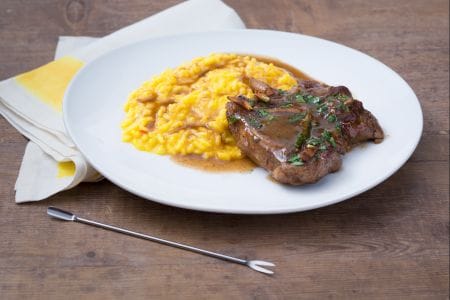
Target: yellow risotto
182,111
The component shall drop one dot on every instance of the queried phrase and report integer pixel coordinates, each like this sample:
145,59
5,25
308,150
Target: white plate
93,111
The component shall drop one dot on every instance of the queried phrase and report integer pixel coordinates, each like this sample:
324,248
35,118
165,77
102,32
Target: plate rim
255,211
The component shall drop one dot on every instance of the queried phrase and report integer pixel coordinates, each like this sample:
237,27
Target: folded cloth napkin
32,101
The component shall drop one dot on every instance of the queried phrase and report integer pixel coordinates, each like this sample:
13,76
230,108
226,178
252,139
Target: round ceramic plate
93,111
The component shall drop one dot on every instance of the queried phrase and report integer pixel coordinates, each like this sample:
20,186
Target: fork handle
162,241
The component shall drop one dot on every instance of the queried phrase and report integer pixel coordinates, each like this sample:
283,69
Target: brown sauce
214,165
276,62
241,165
282,131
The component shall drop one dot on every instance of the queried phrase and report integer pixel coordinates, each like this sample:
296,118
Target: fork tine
256,265
262,270
263,263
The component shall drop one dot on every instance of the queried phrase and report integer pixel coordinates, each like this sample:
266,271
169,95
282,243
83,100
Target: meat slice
299,135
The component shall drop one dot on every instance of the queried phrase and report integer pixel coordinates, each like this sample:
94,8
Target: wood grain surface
390,242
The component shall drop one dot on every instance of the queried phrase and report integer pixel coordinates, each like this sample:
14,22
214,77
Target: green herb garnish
342,97
332,142
313,141
301,138
329,137
299,98
265,114
326,135
254,123
342,107
296,117
312,99
232,119
296,160
331,118
287,105
322,108
316,100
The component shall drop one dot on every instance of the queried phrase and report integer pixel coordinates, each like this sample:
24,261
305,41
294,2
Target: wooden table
390,242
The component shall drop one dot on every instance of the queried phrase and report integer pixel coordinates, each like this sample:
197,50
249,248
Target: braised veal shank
300,135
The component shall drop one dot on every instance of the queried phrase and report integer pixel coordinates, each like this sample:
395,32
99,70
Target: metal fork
256,265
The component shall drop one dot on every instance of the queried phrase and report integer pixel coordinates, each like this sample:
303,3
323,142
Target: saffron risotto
182,110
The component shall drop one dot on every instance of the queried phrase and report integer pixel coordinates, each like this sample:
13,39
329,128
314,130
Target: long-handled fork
254,264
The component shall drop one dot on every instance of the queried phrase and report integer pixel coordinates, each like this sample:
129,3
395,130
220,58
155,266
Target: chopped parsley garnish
339,127
326,135
323,147
342,107
301,138
287,105
265,114
296,160
316,100
254,123
232,119
296,117
342,97
299,98
313,141
332,142
331,118
312,99
322,108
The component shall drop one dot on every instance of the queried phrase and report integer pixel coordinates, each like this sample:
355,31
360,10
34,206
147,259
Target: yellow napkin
32,101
